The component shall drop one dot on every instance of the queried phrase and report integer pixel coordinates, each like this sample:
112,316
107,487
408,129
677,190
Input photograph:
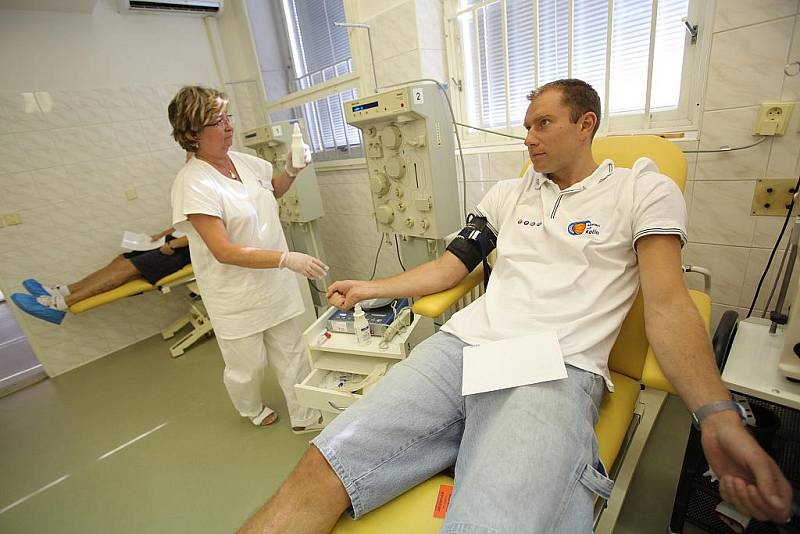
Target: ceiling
65,6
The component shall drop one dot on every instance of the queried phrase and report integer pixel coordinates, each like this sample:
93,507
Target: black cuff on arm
475,241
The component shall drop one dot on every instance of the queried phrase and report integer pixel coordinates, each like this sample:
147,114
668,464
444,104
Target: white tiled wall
67,159
752,41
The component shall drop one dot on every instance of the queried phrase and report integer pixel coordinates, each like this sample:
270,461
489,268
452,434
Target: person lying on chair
574,239
51,302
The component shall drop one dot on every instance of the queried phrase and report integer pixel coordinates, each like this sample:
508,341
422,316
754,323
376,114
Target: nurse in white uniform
226,203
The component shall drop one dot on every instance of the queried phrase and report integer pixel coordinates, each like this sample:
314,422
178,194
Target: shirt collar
603,171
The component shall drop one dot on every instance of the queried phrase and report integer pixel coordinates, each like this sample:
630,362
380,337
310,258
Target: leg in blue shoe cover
29,305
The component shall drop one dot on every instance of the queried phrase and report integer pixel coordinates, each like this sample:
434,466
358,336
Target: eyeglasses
224,119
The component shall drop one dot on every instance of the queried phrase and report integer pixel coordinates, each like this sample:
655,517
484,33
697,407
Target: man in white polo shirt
574,241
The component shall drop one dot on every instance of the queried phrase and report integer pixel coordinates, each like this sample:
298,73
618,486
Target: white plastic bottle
298,151
361,326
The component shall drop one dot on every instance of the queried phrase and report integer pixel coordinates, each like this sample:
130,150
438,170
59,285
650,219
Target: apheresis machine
408,143
410,157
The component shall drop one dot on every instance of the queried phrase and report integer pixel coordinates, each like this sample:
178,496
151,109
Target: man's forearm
431,277
677,335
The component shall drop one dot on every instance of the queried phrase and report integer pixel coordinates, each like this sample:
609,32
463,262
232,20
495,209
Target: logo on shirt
262,183
583,228
527,222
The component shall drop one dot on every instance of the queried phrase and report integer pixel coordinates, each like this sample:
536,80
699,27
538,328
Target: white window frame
335,86
686,118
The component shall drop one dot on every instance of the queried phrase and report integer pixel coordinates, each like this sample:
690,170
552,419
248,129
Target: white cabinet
342,353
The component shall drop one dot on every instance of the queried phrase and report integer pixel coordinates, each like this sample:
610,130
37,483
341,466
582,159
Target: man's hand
344,294
166,250
748,478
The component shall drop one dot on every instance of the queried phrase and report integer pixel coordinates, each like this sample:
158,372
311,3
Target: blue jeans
526,458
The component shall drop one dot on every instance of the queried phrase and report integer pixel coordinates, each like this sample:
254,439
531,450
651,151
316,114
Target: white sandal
265,413
313,427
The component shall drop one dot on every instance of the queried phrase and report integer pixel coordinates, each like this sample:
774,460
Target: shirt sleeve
491,206
191,194
659,207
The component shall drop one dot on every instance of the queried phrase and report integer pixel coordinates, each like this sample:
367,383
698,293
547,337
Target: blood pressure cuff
474,243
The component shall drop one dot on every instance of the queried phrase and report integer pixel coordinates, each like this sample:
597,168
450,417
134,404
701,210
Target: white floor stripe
21,372
137,438
10,341
22,500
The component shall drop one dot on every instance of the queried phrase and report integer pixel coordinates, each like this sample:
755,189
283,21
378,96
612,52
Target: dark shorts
153,265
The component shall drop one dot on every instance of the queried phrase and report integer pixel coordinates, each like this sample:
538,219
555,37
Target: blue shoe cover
28,304
34,287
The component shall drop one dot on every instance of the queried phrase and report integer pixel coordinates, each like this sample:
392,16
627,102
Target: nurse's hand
308,266
291,170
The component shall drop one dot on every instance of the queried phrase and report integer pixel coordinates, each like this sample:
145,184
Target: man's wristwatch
717,406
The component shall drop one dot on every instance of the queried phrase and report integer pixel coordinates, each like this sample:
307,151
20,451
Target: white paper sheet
134,241
512,362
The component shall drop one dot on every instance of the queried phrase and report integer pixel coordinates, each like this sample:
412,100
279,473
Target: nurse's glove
292,171
308,266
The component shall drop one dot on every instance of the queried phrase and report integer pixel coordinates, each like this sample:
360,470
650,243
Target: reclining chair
197,316
626,416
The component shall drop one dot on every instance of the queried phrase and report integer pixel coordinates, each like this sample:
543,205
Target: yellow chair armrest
437,303
651,374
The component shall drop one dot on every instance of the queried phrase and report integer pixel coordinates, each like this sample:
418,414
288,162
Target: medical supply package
379,319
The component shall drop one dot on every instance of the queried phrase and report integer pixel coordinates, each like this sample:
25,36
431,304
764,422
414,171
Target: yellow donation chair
626,416
197,316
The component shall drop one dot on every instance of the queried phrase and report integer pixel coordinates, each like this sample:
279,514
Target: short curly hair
193,108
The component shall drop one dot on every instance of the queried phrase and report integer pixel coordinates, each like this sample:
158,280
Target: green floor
202,468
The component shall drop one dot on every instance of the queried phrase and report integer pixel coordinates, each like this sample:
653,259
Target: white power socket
773,118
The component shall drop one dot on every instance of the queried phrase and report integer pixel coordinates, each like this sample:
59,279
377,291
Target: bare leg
310,501
113,275
100,274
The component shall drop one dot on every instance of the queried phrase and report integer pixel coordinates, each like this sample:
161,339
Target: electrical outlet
773,196
773,118
12,219
131,194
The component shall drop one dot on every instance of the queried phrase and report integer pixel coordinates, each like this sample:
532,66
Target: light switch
131,194
12,219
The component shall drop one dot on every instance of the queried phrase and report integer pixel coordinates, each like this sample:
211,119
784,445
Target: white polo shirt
566,259
240,301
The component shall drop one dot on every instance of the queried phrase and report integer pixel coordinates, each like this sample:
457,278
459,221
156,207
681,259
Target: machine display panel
362,107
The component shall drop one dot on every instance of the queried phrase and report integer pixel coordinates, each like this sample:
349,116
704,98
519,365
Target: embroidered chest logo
263,184
527,222
583,228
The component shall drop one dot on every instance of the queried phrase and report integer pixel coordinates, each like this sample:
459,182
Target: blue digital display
362,107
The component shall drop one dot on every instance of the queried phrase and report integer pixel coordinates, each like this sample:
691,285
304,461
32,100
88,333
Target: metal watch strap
717,406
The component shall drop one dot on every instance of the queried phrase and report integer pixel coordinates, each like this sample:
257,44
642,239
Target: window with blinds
321,53
631,51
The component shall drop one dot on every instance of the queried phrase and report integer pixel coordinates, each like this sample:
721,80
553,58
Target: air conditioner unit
188,7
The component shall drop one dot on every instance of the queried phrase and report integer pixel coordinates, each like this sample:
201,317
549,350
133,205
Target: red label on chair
443,500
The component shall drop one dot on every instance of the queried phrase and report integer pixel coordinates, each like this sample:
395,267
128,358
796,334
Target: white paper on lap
512,362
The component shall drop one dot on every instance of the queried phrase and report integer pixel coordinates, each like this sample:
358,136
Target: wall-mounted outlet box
773,196
773,118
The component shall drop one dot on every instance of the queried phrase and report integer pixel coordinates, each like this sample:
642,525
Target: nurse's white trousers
245,361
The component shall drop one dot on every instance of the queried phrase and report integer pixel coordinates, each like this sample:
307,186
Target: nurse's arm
749,479
214,234
437,275
281,182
